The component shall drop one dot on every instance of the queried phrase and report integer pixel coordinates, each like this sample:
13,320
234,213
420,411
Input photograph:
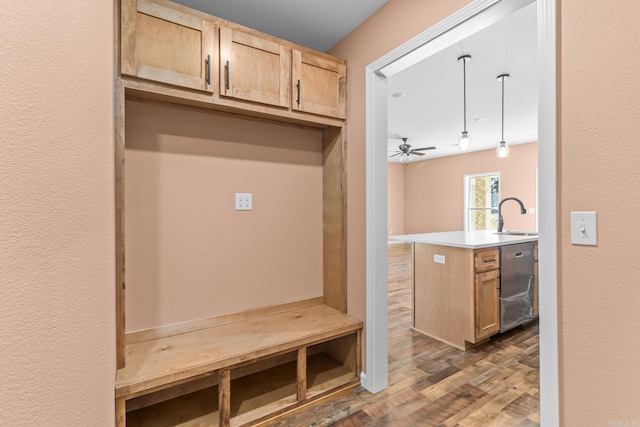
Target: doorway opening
477,15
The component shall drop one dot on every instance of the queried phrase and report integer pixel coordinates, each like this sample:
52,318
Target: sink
518,233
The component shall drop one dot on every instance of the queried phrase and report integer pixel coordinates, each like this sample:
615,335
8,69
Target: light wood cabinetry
318,85
253,68
167,45
456,293
443,293
247,71
219,376
214,371
486,260
487,304
487,292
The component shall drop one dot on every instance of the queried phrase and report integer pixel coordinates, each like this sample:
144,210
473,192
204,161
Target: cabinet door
487,303
254,69
318,85
166,45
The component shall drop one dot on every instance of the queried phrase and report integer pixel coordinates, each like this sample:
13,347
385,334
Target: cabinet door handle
227,70
298,86
207,63
489,260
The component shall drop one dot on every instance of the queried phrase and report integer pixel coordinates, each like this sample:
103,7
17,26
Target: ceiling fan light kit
405,151
465,140
503,149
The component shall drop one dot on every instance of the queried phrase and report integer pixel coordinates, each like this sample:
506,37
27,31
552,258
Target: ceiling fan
405,151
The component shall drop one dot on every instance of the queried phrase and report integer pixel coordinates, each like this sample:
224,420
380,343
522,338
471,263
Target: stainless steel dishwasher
516,285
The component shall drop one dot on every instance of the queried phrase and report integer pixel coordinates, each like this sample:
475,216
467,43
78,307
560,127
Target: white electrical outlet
244,201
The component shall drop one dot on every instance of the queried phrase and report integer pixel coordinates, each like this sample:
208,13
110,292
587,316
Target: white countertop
465,239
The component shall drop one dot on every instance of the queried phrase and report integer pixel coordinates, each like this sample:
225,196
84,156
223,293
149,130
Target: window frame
467,178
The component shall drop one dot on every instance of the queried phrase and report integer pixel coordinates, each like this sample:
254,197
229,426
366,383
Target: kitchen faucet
523,211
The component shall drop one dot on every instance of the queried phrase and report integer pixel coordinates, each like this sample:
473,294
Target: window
482,195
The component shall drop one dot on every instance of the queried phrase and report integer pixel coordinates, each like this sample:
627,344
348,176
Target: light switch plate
584,228
244,201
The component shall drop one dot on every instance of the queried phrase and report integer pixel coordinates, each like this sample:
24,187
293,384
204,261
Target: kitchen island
456,283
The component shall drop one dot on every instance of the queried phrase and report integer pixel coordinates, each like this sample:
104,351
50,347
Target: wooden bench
237,369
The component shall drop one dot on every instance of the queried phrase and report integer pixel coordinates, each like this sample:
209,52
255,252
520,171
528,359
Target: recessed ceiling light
399,95
480,119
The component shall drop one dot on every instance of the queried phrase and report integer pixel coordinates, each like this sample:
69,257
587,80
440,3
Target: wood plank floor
434,384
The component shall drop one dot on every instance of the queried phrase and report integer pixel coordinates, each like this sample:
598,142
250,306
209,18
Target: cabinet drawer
487,260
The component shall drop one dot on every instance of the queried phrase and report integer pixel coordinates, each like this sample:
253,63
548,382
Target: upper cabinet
318,85
167,45
247,72
254,69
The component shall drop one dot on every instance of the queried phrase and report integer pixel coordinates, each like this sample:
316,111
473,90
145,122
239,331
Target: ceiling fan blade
417,153
397,154
424,148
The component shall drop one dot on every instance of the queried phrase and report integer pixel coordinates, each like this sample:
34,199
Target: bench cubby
243,370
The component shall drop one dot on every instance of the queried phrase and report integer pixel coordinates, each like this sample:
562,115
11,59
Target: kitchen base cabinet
487,304
444,294
456,293
487,292
457,281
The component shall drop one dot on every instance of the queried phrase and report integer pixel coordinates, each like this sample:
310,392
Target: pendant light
465,140
503,149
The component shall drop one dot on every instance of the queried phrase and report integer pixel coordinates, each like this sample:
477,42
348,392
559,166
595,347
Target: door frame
477,15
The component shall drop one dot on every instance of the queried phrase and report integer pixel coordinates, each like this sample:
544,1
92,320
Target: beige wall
599,109
434,189
190,254
56,191
395,23
599,100
395,202
57,358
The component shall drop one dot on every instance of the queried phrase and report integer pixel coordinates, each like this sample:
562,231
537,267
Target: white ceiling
431,113
318,24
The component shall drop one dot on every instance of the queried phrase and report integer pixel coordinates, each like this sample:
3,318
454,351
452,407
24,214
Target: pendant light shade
503,149
465,140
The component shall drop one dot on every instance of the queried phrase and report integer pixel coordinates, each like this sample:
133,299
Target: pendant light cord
502,108
464,90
